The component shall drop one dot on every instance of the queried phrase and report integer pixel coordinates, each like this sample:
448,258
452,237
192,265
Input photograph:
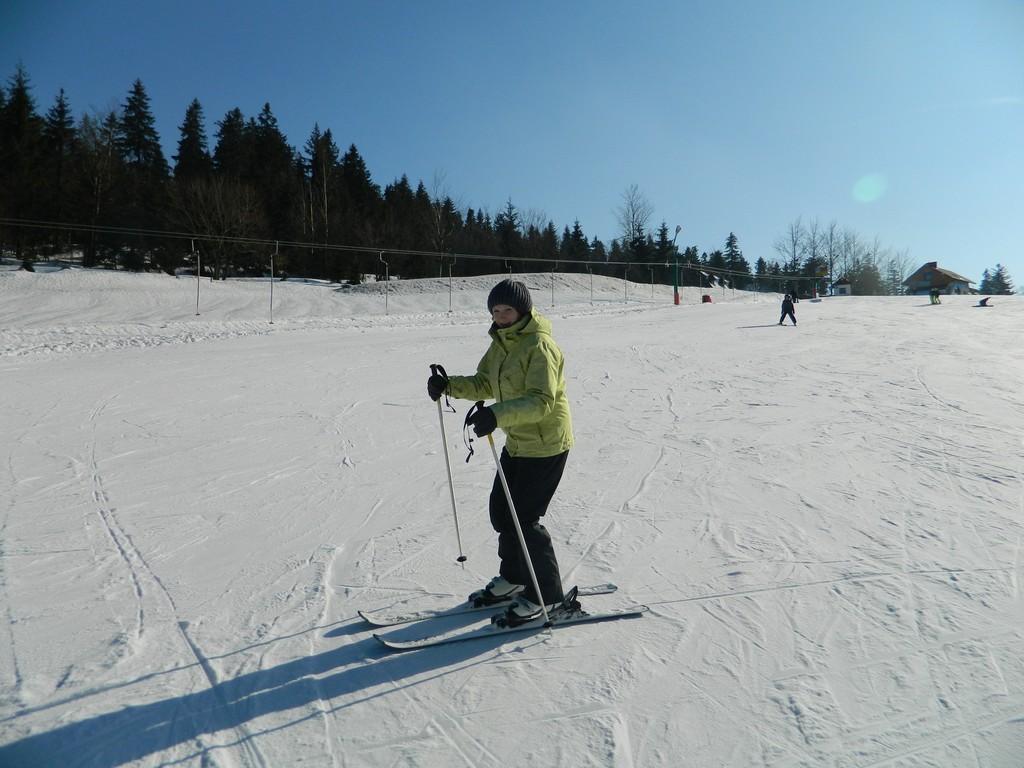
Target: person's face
503,315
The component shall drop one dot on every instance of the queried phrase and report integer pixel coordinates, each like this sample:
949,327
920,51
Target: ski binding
382,619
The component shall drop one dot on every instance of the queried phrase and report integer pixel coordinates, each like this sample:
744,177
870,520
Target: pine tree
362,199
549,243
736,263
1001,283
663,250
322,162
146,173
865,278
663,244
716,261
616,255
893,279
761,271
565,245
232,152
579,250
399,220
193,160
20,149
58,147
506,225
271,174
139,141
986,282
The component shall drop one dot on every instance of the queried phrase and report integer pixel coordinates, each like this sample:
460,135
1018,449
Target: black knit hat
512,293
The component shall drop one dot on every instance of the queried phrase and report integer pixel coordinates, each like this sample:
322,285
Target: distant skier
523,371
984,302
787,309
935,296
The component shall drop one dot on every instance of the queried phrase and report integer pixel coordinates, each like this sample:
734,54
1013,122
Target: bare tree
830,243
634,214
813,241
850,251
97,139
218,210
532,218
791,246
444,216
898,269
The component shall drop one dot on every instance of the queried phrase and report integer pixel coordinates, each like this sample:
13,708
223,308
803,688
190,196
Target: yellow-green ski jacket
523,371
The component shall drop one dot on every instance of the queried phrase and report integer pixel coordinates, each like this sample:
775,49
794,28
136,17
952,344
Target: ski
382,619
493,630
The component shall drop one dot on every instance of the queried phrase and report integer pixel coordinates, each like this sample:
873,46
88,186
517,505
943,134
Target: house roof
933,266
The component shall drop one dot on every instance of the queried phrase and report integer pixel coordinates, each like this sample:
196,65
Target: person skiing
523,372
787,309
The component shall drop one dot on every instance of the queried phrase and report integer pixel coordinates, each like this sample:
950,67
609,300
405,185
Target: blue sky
899,120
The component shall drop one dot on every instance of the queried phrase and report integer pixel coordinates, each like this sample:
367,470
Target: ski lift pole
276,247
519,528
198,272
451,262
675,274
434,370
387,281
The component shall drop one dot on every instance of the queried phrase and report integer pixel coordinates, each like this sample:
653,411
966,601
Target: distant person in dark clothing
787,309
984,302
935,296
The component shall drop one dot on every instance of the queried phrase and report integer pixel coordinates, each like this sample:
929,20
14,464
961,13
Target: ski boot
523,611
498,590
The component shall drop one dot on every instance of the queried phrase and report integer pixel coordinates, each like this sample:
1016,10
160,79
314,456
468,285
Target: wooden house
932,277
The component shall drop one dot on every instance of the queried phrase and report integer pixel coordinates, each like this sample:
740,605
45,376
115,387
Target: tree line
107,174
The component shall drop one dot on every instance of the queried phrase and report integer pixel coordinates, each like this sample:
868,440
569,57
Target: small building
932,277
842,287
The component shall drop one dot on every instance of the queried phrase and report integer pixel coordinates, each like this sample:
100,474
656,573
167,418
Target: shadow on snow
137,731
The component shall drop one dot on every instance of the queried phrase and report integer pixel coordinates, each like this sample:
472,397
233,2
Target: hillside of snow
825,521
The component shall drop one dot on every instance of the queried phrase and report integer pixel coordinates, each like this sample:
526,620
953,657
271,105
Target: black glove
484,422
436,386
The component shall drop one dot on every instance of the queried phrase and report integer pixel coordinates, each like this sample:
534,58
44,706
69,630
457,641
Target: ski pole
434,369
519,530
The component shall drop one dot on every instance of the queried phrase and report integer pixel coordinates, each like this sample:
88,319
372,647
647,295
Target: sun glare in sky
870,188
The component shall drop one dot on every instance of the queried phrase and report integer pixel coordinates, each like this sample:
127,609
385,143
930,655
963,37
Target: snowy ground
826,522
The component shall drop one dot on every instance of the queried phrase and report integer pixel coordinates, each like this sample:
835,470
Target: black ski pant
532,483
790,313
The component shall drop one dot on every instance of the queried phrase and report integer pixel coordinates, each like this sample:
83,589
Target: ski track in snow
140,573
825,524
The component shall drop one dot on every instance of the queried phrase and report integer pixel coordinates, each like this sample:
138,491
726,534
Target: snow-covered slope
826,522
